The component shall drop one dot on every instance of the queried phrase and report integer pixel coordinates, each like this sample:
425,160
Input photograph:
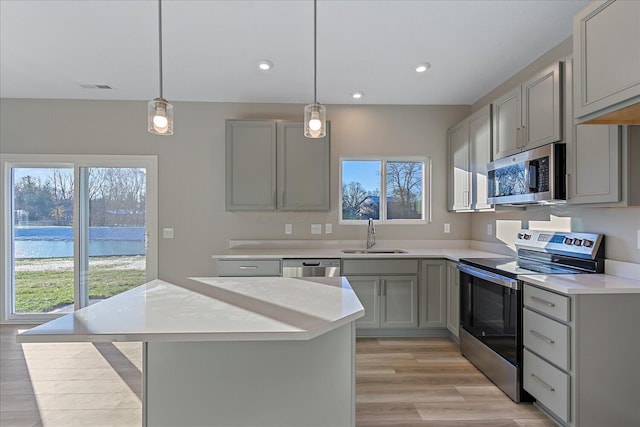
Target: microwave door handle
531,172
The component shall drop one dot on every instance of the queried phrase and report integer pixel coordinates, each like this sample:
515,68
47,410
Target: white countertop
222,309
450,254
575,284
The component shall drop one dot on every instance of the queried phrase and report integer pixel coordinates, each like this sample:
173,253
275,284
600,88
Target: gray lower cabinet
606,46
453,298
367,288
387,289
580,356
432,308
271,165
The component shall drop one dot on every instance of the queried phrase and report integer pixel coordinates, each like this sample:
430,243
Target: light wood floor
400,382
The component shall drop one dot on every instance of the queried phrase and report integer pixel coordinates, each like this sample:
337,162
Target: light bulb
160,121
315,124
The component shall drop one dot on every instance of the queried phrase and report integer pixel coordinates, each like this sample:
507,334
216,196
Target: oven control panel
582,245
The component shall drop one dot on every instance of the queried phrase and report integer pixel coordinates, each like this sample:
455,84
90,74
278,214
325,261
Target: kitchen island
232,351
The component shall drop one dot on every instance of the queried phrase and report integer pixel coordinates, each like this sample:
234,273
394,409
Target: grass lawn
42,285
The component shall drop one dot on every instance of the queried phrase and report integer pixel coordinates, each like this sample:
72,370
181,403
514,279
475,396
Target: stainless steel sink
374,251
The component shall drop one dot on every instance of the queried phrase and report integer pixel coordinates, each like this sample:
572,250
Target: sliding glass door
76,233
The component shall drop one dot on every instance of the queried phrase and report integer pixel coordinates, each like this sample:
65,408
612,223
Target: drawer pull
542,337
248,267
543,301
544,384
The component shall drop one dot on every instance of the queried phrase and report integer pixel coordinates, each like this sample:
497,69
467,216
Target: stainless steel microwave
536,176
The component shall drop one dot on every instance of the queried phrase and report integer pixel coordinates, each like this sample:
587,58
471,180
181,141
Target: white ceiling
49,47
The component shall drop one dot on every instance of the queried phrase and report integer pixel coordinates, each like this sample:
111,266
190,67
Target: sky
366,172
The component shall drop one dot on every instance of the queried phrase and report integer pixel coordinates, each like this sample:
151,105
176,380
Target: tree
353,195
404,189
35,197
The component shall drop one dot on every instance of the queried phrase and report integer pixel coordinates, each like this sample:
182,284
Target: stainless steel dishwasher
310,267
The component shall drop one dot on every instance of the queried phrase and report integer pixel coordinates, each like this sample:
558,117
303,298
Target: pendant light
315,123
160,112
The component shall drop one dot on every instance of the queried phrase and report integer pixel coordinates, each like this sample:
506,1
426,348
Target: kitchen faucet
371,234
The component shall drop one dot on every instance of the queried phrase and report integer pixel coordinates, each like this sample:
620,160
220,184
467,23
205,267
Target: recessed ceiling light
421,68
357,94
265,64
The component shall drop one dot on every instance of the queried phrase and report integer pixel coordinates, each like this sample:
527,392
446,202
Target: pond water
57,242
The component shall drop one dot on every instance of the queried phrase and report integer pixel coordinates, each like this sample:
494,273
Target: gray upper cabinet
594,162
606,48
530,115
469,151
507,124
251,165
460,172
271,165
541,108
601,158
303,169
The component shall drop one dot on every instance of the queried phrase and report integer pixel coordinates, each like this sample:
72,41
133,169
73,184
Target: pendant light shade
315,120
160,112
315,115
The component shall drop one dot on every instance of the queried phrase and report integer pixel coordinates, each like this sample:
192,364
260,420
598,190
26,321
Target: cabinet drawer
547,338
379,266
549,385
248,267
546,302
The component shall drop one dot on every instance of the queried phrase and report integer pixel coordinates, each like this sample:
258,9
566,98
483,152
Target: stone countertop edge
163,312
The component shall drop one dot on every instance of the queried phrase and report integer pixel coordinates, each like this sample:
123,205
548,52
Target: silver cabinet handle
544,384
542,337
248,267
467,200
383,288
543,301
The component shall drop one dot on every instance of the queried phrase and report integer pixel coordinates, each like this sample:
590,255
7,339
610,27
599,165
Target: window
77,229
392,190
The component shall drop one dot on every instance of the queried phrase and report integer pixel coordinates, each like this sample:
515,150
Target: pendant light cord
160,42
315,13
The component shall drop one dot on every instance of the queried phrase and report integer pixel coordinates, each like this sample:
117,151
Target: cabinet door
507,116
453,298
606,46
480,155
593,158
250,165
367,289
399,304
303,169
541,108
459,174
432,296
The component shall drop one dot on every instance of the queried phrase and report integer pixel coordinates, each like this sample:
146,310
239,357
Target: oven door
490,310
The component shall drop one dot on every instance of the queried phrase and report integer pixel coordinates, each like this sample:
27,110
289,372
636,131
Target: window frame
426,189
77,162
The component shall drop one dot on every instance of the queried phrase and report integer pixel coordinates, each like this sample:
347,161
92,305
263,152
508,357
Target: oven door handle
490,277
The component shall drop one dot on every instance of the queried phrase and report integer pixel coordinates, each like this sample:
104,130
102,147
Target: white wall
191,165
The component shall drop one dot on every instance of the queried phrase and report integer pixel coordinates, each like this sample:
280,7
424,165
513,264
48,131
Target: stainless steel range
491,298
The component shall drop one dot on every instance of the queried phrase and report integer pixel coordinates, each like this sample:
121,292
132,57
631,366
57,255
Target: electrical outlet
288,229
447,228
489,229
328,229
167,233
316,228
